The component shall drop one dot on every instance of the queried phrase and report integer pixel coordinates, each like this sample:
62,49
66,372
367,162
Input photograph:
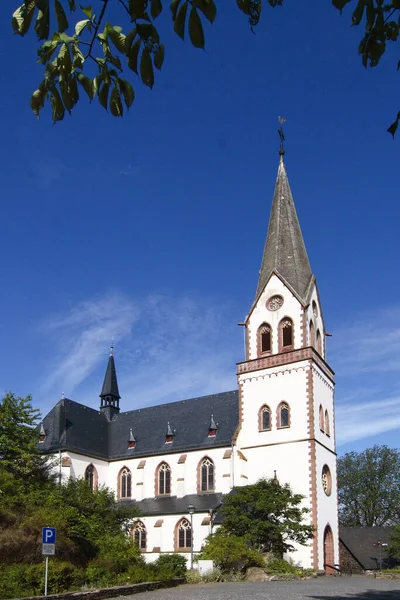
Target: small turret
110,394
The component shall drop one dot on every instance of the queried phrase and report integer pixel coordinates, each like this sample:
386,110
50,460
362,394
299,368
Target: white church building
167,458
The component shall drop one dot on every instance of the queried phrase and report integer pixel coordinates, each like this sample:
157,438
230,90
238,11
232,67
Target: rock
255,574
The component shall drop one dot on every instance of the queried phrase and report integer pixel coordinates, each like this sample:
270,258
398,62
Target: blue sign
48,535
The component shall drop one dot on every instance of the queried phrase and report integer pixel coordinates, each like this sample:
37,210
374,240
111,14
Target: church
175,461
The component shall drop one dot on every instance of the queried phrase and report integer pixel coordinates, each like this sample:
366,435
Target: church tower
286,387
110,394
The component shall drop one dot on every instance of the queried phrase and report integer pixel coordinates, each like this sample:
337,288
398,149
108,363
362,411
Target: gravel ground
336,588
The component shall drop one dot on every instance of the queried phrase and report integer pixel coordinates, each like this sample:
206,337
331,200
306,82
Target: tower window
327,427
184,535
91,477
321,418
207,475
125,483
319,342
139,535
312,334
264,339
264,418
283,415
163,480
286,334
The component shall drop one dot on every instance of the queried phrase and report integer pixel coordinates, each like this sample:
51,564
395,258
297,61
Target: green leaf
129,39
174,8
118,39
80,26
159,57
57,107
97,81
69,92
146,69
61,17
208,9
393,128
156,8
137,9
179,24
358,13
148,31
72,5
87,10
22,18
103,95
116,108
133,56
77,57
37,99
127,91
42,25
87,85
46,51
196,29
245,6
340,4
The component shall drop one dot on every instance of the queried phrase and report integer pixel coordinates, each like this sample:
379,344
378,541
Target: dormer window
212,430
131,440
42,434
169,436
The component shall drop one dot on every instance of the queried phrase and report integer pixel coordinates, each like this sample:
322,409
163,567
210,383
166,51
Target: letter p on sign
48,535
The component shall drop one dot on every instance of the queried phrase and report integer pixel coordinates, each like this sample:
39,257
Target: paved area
335,588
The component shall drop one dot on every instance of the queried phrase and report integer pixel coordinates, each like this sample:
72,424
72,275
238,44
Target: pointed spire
169,430
213,424
131,440
42,433
110,393
284,250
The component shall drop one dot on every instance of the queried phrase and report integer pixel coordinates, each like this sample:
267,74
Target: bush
209,577
28,580
172,563
230,553
279,565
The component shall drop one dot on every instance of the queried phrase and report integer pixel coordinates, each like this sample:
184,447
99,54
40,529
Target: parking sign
48,535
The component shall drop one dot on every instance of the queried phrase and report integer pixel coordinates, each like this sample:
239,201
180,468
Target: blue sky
150,229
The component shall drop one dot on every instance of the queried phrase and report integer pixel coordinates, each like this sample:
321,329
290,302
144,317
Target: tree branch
103,10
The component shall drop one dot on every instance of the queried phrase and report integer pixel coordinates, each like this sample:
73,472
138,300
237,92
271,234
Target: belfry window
321,418
283,415
264,339
264,418
327,427
286,334
319,342
312,334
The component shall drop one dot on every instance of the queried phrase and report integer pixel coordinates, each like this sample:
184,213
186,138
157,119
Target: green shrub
28,580
230,553
280,566
176,564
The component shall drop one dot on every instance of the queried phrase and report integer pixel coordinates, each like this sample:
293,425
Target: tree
267,515
91,56
369,487
230,553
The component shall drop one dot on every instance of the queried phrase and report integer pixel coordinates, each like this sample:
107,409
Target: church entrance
328,550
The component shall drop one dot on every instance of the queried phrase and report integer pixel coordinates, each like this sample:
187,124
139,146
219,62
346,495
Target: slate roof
74,427
360,541
285,251
172,505
110,384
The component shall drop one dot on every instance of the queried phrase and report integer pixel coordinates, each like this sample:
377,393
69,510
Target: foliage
279,565
91,41
24,579
267,515
230,553
176,564
369,487
394,546
210,577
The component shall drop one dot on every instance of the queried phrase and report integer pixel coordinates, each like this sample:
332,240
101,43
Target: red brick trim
156,549
227,453
276,360
139,483
159,523
182,459
141,464
312,465
181,479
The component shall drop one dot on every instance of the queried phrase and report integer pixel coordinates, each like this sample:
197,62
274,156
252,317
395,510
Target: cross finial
112,349
281,136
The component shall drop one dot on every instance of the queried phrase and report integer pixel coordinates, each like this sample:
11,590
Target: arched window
91,477
264,339
264,418
183,535
283,415
207,475
139,535
286,334
312,334
327,427
163,480
321,418
125,483
319,342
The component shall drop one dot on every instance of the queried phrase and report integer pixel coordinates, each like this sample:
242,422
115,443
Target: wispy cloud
355,422
166,349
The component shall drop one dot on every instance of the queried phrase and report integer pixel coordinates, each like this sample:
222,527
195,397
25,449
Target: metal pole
191,545
380,557
45,576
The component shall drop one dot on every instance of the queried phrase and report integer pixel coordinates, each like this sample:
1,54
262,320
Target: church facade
176,461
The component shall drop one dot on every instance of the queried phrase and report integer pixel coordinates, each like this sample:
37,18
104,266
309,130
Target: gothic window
139,535
264,418
319,342
163,480
286,334
283,415
184,535
327,428
207,475
264,339
91,477
312,334
321,418
125,483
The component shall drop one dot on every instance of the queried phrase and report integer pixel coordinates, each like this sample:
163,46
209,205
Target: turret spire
110,394
284,250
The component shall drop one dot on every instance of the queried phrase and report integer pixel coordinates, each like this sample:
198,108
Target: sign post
48,549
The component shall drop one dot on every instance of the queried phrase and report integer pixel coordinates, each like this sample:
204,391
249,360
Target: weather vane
281,120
